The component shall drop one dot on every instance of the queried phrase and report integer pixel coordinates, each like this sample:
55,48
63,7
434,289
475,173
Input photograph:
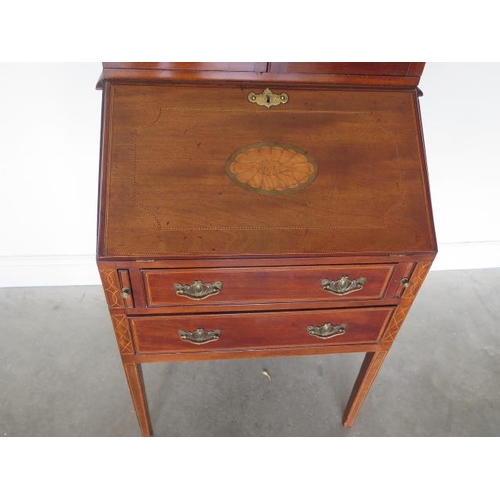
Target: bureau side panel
425,175
104,170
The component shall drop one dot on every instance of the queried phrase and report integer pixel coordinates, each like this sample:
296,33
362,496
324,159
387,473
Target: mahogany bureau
261,209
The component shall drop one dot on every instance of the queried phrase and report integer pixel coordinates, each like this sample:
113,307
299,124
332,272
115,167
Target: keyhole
268,99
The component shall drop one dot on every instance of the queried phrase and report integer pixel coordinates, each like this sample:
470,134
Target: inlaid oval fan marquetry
272,168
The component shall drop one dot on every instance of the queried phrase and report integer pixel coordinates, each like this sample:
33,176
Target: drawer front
265,285
215,332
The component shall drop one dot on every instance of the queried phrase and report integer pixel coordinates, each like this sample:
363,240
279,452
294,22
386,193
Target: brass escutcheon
268,98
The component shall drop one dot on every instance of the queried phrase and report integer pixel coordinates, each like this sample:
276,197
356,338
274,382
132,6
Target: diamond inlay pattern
399,315
122,332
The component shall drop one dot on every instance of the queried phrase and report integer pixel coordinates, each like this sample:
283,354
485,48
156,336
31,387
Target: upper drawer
234,286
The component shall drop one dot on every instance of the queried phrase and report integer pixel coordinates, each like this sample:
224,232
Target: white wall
49,129
461,118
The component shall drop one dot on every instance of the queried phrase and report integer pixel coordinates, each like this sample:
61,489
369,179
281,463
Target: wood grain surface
398,74
168,192
267,285
160,334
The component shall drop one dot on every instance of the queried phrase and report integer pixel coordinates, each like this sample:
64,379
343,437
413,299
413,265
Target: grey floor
60,374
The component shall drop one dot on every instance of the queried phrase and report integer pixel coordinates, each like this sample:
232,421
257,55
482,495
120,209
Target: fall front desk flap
246,171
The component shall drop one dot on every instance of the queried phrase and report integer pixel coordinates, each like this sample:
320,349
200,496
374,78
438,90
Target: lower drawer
214,332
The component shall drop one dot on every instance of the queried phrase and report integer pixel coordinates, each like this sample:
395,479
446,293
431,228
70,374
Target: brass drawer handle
327,331
342,286
198,290
268,98
200,336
